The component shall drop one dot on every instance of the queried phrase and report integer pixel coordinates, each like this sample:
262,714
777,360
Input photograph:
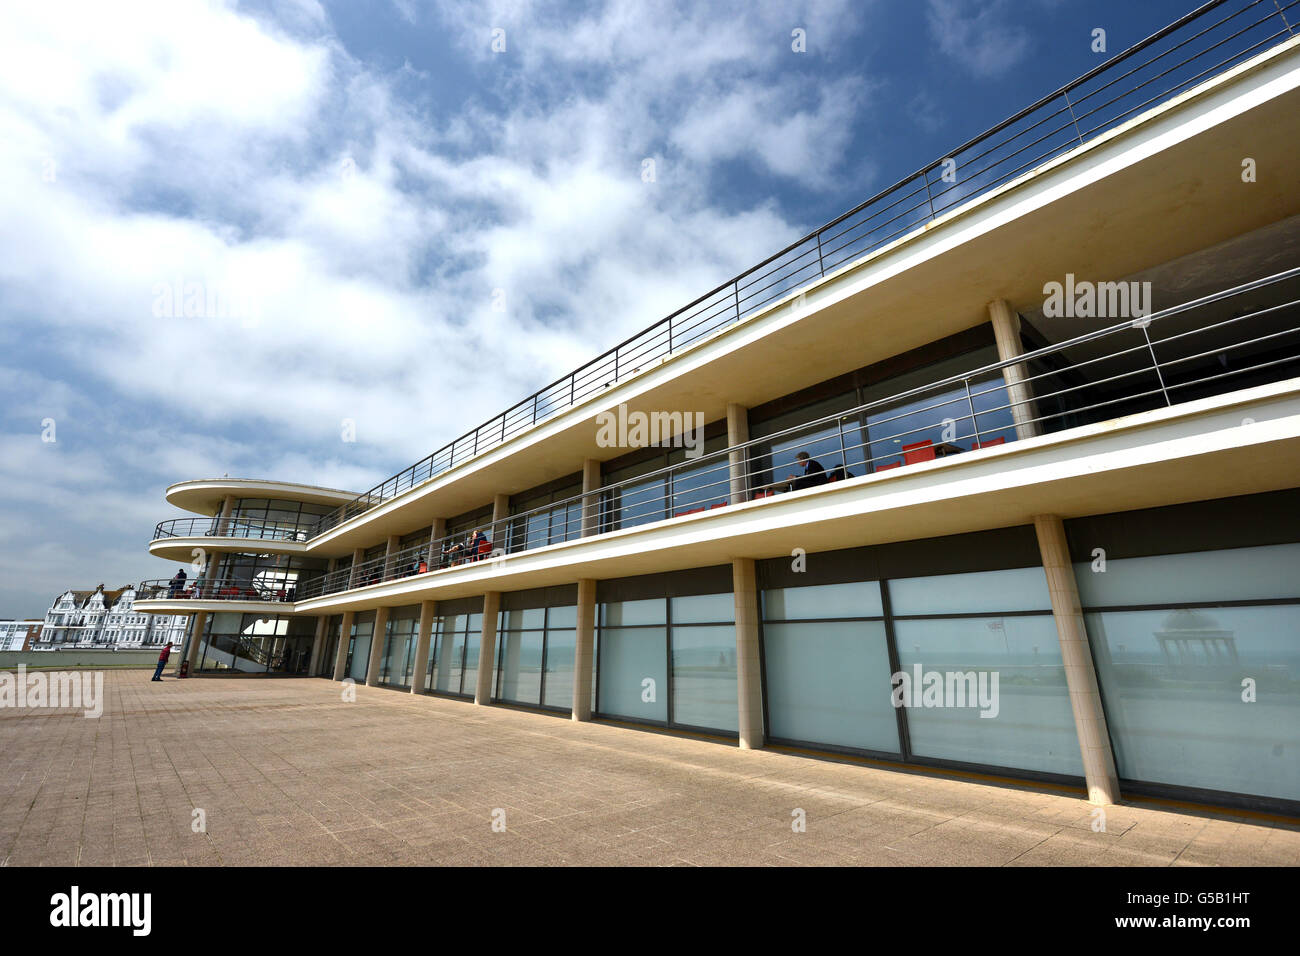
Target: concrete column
583,648
318,644
227,507
438,532
199,621
1006,330
427,611
1080,678
749,678
357,555
389,554
211,572
345,635
500,514
487,645
738,434
591,497
377,646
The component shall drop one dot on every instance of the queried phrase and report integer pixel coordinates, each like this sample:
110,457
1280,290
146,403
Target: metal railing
222,589
233,526
1121,369
1207,41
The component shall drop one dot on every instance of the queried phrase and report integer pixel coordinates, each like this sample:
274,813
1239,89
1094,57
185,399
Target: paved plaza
285,771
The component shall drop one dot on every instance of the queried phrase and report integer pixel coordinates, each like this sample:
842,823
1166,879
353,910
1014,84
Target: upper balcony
1154,137
207,496
1199,400
177,539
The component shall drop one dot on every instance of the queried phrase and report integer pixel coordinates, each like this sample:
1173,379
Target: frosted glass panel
704,609
472,641
1017,589
623,613
704,677
855,599
1171,683
360,651
451,647
562,616
521,666
629,658
1031,726
1237,574
533,617
829,684
558,691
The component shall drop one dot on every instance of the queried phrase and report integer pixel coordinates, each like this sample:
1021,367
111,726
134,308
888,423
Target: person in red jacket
162,660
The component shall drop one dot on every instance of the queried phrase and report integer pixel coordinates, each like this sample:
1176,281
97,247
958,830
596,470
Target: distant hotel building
102,618
1088,507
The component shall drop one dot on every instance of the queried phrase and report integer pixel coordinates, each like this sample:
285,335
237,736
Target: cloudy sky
359,187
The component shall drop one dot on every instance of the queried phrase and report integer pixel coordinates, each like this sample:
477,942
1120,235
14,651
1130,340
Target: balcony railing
222,589
1179,354
1208,41
232,526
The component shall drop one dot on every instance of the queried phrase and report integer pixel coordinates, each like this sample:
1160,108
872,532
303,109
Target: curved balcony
1232,339
197,591
232,526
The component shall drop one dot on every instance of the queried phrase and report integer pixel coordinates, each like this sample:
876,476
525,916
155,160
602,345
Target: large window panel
1013,589
1176,682
1029,723
829,683
558,689
704,676
1235,574
634,672
521,666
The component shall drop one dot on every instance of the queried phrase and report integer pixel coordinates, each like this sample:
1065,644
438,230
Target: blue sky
364,177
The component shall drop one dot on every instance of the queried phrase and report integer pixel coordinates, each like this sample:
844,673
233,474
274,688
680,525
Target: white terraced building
1049,391
106,619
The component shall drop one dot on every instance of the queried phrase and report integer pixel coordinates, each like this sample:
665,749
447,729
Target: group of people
474,548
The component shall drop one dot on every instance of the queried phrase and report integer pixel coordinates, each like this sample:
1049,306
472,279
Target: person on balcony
177,584
813,472
452,554
479,546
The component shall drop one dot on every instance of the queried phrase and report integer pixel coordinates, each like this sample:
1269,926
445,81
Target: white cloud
193,144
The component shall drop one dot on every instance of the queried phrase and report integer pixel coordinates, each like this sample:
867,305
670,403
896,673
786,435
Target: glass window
704,677
560,648
704,608
633,672
829,683
852,599
1014,589
1203,697
1236,574
991,691
521,666
628,613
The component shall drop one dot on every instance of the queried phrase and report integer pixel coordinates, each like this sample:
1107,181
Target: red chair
991,441
897,464
918,452
762,494
720,504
